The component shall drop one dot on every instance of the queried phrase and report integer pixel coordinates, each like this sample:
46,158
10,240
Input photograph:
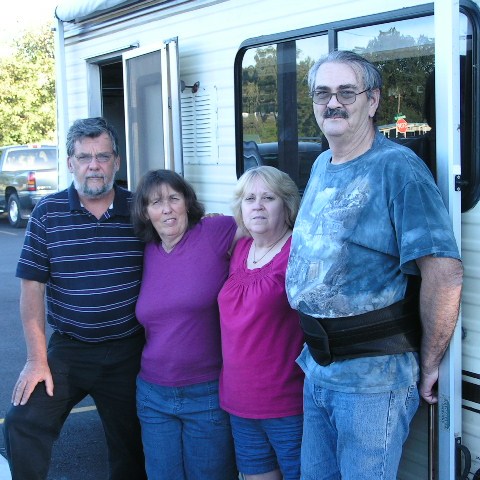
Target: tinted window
404,52
30,159
275,122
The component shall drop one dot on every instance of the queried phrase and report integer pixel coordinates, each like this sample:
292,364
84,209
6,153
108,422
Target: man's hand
33,373
36,370
427,388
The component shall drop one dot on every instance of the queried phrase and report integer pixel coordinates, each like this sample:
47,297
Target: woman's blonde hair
280,184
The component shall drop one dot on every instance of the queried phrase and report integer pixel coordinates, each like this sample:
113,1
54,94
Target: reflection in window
30,160
278,126
404,52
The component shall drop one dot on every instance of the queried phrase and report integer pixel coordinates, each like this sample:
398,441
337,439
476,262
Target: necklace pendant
268,251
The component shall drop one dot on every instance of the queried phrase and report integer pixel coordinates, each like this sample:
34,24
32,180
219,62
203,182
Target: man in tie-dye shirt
370,217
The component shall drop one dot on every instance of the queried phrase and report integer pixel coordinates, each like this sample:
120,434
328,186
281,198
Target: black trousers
107,372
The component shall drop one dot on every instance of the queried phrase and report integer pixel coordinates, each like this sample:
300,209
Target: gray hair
370,75
279,182
92,128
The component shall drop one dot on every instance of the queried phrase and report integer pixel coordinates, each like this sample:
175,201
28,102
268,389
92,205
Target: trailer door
447,106
152,110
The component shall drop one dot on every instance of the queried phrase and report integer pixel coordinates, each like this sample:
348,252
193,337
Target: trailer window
404,52
275,122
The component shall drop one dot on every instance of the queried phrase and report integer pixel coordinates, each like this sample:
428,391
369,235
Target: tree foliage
260,102
27,89
405,64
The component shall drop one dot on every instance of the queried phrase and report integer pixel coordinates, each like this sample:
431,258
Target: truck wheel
14,212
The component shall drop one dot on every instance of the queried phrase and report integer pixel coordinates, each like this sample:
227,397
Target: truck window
12,162
31,159
274,117
46,159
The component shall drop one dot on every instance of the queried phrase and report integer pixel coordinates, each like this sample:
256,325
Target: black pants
105,371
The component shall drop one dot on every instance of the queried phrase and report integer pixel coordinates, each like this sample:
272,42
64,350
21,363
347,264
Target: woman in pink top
260,383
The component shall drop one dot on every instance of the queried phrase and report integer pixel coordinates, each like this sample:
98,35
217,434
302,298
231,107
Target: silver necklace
268,251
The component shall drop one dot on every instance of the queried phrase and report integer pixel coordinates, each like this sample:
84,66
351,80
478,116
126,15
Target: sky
20,15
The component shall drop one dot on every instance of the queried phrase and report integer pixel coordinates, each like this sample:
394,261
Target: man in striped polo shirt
81,254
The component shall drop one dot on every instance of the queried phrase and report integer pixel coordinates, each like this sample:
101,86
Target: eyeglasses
85,159
345,97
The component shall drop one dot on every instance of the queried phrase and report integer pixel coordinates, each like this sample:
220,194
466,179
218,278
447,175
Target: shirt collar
120,205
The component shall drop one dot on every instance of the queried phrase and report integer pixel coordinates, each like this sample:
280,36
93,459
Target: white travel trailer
211,87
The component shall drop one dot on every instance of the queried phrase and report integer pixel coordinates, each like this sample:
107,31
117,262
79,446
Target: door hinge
459,183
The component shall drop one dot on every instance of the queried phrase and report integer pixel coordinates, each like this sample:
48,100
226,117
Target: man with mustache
81,256
371,225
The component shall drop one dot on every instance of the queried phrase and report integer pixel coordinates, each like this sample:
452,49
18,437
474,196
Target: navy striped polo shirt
92,267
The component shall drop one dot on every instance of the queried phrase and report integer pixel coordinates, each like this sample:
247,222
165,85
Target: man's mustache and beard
94,191
335,113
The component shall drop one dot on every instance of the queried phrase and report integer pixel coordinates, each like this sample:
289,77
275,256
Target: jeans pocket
59,356
412,400
144,390
217,415
317,394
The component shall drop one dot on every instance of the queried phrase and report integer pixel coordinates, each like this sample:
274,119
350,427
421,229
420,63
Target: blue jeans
355,436
185,434
264,445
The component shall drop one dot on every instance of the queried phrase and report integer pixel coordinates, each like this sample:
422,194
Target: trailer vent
199,127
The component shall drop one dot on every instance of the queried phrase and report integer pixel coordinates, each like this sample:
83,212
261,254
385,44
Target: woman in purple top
185,434
260,384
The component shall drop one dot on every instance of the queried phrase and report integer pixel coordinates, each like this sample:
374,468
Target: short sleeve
34,260
422,225
221,231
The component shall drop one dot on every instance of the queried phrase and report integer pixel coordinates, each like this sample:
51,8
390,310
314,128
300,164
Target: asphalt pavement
80,452
10,245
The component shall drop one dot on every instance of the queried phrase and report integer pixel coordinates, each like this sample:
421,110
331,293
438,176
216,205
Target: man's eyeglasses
345,97
85,159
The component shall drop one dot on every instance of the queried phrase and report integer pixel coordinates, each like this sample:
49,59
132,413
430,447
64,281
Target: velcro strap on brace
390,330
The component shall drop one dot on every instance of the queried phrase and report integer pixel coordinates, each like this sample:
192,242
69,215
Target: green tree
259,97
405,64
27,89
307,125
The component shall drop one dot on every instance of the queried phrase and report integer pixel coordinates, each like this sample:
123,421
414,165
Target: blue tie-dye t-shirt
360,228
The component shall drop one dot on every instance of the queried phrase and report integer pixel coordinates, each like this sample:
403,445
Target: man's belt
390,330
